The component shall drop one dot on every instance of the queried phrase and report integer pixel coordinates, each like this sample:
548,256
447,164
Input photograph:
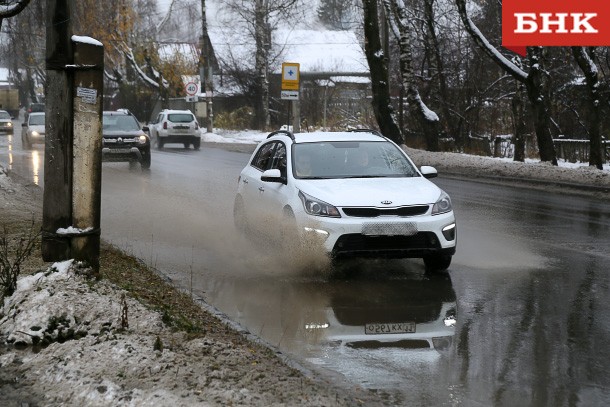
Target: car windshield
5,115
36,120
350,159
120,123
180,117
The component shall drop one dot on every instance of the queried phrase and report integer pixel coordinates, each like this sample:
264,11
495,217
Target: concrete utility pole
74,90
57,196
205,69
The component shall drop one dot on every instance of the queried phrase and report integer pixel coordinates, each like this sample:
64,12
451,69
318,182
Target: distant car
124,139
6,122
33,130
175,126
34,108
357,194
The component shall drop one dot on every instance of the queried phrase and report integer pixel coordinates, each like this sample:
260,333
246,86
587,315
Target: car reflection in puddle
415,312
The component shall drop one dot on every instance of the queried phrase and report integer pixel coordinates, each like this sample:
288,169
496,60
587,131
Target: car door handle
245,181
261,189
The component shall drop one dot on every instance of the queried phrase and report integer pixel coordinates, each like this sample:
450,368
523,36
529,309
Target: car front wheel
145,163
437,262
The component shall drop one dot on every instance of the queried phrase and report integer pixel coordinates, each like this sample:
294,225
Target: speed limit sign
191,88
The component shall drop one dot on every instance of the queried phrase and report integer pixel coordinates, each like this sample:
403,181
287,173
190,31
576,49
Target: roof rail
286,132
377,133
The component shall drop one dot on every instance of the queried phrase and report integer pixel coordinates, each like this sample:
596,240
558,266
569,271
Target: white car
6,122
175,126
357,194
33,130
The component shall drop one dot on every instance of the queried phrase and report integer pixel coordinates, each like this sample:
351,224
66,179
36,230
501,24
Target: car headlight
35,134
9,124
316,207
142,139
442,205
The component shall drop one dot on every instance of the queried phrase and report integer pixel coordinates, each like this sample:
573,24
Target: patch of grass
178,310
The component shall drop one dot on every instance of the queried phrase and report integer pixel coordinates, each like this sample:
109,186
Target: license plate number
389,229
121,150
391,328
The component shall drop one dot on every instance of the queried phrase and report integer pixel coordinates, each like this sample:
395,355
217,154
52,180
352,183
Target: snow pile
103,348
58,305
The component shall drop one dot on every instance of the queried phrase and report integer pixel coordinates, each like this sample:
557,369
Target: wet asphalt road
529,285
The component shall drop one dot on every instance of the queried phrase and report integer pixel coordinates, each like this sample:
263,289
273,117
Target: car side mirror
273,175
145,128
24,124
428,172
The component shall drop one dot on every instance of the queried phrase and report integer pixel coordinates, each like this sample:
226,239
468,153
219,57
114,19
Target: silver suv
175,126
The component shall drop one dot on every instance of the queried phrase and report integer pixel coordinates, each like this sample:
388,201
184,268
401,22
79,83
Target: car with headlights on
354,194
6,122
124,139
33,130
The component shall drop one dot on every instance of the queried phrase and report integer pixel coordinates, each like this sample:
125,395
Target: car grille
375,212
387,246
115,141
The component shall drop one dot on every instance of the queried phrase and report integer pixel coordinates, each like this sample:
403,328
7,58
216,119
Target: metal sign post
290,91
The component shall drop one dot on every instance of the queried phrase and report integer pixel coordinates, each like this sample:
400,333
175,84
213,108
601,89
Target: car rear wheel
197,144
437,262
159,143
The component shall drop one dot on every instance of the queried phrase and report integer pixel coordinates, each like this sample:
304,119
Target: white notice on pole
289,95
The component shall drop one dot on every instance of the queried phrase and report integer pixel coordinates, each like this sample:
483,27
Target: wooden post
87,150
57,196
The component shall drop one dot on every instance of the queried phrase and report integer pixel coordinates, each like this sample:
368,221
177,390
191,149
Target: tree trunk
440,67
427,119
537,85
519,126
382,107
261,66
586,62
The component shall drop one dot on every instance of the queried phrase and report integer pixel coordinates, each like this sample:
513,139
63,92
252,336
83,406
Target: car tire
197,144
159,143
186,145
239,215
145,163
437,262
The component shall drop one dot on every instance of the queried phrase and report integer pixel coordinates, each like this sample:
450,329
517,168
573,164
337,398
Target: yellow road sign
290,76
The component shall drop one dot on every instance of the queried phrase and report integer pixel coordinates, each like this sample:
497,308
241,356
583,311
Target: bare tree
585,57
378,65
260,18
536,82
427,119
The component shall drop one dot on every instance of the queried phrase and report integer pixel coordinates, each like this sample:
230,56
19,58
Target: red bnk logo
555,23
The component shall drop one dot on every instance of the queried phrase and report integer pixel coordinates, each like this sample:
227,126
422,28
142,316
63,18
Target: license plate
120,150
392,328
389,229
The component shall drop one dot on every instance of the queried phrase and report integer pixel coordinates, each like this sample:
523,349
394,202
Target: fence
570,150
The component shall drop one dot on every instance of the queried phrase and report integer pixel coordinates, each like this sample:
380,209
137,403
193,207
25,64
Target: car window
36,120
5,115
263,157
279,159
120,123
180,117
350,159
